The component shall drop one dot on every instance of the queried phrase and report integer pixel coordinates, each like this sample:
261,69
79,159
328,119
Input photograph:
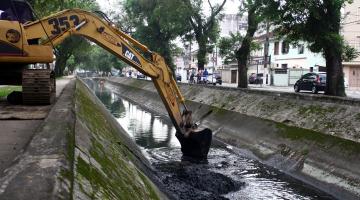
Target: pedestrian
205,74
192,76
199,75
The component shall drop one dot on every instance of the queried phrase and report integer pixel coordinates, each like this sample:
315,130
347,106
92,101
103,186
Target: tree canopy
205,28
157,23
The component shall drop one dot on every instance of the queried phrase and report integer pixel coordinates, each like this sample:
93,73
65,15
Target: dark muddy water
227,175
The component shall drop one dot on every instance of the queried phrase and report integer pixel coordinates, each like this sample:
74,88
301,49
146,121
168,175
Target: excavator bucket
196,145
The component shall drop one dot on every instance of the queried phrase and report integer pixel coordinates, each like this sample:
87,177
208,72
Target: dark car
255,78
178,77
313,82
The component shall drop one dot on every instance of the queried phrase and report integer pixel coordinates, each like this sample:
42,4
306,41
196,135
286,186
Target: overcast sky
231,6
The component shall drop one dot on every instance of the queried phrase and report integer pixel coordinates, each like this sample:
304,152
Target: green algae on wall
106,170
321,140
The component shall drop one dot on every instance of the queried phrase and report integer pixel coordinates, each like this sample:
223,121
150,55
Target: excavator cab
20,57
16,10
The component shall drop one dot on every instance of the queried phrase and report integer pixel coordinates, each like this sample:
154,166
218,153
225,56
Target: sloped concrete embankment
79,152
313,138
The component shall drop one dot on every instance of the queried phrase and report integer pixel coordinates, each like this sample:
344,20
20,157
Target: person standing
192,76
205,75
199,75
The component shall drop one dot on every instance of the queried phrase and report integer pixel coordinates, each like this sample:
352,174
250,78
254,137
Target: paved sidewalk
16,134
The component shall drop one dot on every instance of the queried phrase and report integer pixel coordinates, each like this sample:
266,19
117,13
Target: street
352,93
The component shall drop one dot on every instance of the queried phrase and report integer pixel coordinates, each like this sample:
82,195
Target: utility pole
266,50
266,47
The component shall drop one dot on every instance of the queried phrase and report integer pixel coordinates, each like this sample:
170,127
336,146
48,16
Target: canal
227,174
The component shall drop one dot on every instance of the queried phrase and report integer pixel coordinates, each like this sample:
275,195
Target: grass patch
316,109
357,116
6,90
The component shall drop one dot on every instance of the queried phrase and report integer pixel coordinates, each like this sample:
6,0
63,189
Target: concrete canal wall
80,152
313,138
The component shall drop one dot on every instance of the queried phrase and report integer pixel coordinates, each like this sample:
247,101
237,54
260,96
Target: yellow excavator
27,45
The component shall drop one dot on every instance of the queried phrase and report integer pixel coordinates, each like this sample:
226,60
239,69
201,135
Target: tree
157,23
96,59
349,53
206,29
318,23
242,54
228,47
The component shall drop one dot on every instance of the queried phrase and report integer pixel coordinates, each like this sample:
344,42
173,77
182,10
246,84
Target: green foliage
316,22
349,53
45,8
157,23
228,46
6,90
99,60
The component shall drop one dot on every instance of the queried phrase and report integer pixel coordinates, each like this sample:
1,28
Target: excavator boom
52,30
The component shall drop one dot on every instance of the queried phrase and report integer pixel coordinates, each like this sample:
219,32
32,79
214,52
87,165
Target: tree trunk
242,73
334,73
243,53
60,66
242,56
201,55
167,55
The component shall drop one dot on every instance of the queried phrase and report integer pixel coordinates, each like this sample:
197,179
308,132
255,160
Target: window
284,66
301,49
276,48
285,48
280,71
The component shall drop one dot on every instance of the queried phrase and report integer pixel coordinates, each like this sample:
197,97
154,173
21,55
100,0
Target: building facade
286,63
351,32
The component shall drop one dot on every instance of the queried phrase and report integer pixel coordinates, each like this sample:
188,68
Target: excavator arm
33,42
54,29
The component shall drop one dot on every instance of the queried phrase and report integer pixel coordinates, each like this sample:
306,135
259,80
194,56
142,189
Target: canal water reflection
147,129
227,175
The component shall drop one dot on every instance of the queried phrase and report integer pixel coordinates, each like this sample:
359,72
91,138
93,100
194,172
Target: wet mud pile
225,175
190,179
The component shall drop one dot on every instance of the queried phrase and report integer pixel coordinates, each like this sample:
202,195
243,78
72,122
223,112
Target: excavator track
38,86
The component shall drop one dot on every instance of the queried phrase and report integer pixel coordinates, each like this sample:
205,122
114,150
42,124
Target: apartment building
351,32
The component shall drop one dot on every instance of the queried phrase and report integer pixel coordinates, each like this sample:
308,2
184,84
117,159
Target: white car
214,79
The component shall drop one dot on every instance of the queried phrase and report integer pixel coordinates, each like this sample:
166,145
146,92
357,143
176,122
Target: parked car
214,79
140,76
313,82
178,77
255,78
